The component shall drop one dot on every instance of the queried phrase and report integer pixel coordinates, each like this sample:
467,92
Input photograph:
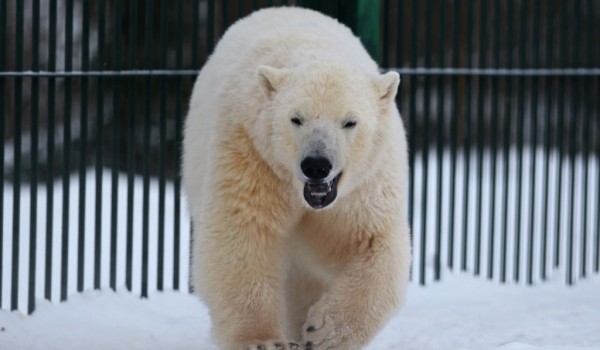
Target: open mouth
319,194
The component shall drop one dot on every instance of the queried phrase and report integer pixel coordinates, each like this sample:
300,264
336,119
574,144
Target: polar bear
295,172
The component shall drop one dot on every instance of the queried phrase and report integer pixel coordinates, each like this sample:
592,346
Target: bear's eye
296,121
349,124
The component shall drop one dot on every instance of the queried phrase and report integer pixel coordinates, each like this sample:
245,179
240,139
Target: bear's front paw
271,345
326,335
327,330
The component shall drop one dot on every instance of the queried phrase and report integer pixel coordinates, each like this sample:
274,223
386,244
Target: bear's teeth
323,190
318,194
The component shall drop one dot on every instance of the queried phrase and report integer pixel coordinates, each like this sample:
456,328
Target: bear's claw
273,346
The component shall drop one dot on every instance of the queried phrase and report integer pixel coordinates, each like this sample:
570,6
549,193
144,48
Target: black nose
316,168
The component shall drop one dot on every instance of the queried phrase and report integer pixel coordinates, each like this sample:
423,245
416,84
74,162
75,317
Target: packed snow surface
459,313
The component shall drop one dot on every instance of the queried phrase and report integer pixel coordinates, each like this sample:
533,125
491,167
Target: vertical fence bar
162,148
440,141
99,145
467,137
116,117
240,8
562,49
547,139
224,16
596,57
412,109
520,130
385,61
425,151
131,124
210,26
494,147
195,34
85,63
149,28
573,143
3,25
177,148
453,132
586,136
35,60
400,47
597,87
534,132
50,172
480,129
592,58
507,116
17,131
66,152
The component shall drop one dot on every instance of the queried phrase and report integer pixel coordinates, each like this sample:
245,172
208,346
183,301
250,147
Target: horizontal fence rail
499,100
572,72
99,74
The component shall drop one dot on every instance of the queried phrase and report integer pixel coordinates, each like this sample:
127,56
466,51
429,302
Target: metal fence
499,98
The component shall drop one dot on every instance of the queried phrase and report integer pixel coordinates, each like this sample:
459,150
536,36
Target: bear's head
325,124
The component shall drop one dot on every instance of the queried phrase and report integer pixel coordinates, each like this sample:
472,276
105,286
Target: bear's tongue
320,194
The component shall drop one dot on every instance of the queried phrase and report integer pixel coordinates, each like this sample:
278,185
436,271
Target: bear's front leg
361,300
238,252
237,274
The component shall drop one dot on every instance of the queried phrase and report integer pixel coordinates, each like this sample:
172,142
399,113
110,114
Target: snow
459,313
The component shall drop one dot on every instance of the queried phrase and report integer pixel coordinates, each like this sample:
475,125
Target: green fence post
367,17
362,16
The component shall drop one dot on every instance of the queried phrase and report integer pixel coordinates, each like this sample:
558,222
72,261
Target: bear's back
287,37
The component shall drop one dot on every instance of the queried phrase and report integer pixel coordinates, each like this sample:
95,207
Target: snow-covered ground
460,313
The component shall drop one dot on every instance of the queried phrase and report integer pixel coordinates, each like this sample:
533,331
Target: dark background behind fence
94,86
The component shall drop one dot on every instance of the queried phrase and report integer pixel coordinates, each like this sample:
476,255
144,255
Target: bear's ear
386,86
270,78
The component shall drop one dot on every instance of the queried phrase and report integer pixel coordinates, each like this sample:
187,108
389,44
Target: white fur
267,265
